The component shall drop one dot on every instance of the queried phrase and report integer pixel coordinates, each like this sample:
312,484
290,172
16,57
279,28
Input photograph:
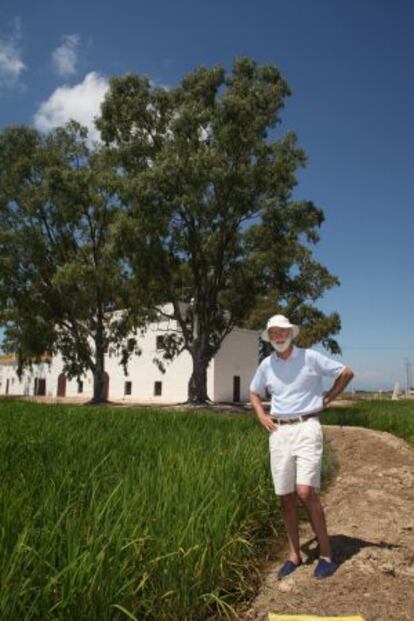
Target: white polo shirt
295,384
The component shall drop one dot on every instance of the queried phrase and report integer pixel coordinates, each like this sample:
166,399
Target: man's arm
264,419
339,385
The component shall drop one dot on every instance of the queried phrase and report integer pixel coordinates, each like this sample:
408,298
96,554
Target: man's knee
306,493
288,500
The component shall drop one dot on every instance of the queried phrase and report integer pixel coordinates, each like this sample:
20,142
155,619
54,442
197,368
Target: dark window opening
236,388
157,389
80,386
39,387
160,342
128,388
61,385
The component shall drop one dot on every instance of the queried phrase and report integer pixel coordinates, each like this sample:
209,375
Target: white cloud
65,57
11,64
80,102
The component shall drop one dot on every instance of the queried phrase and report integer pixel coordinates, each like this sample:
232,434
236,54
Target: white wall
238,356
25,385
143,372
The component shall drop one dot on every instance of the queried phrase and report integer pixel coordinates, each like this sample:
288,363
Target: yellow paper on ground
273,617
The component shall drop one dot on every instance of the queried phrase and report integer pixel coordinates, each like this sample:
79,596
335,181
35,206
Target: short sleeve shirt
295,384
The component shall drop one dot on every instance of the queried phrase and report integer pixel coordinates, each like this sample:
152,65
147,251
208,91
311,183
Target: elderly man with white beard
293,377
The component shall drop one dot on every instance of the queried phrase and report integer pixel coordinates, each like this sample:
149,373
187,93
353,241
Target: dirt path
370,513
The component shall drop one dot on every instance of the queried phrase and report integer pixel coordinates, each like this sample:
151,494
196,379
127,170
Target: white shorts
296,455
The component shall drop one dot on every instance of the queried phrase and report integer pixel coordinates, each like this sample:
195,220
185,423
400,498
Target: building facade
228,376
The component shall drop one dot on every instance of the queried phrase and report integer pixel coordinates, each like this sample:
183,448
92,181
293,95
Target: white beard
282,347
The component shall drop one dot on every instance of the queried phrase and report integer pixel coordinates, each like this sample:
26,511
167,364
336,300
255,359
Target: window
80,386
236,388
127,388
157,389
160,342
40,386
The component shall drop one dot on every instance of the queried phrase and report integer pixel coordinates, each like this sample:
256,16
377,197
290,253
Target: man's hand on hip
267,422
264,419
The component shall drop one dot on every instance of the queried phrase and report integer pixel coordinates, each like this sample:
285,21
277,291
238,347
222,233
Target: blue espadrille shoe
324,569
287,568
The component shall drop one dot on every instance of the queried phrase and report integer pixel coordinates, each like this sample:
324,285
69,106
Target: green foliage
210,182
62,279
189,202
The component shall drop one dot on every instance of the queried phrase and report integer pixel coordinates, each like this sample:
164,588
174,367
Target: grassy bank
122,514
396,417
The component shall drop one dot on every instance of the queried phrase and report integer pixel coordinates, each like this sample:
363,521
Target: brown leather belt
296,419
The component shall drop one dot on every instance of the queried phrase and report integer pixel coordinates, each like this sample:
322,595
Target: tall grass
130,514
396,417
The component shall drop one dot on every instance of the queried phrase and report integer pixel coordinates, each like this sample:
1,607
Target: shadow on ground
343,547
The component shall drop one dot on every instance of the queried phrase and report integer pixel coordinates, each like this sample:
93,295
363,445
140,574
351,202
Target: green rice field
141,514
130,514
396,417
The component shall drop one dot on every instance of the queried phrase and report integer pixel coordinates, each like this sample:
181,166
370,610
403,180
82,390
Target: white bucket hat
279,321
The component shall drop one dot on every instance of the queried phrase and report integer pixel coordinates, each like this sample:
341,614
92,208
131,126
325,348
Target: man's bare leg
316,514
290,517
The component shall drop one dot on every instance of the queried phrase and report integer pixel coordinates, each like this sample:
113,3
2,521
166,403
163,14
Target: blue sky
350,65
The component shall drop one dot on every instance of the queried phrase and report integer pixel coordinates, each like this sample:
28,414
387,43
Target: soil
369,508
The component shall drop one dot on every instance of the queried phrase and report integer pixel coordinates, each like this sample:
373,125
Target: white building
228,376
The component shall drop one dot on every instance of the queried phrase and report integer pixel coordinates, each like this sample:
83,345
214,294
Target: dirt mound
370,513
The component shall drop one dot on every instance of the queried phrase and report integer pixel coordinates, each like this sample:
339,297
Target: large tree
63,285
209,181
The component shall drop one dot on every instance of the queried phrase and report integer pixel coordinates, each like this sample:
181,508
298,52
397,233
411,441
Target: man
293,377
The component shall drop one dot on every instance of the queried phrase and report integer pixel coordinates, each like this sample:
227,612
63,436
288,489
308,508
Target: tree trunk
99,393
197,386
